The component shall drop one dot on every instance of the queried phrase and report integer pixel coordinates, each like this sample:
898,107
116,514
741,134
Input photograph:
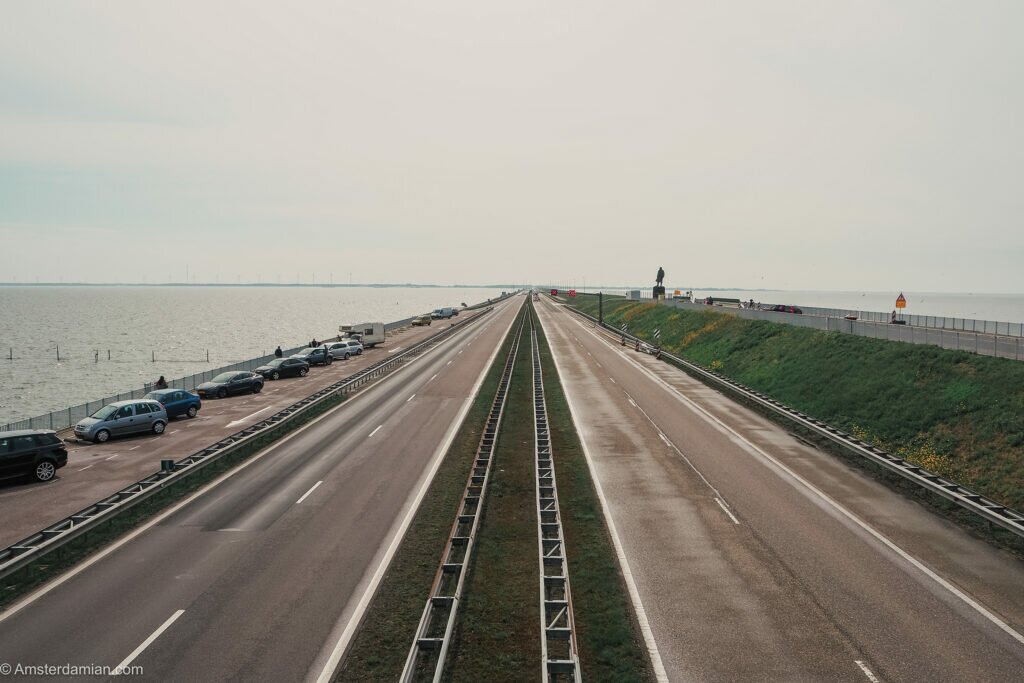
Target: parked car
37,453
317,356
176,401
122,417
344,349
284,367
227,383
446,312
421,320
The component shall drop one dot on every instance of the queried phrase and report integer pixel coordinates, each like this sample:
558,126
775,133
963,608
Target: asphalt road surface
258,576
757,557
95,471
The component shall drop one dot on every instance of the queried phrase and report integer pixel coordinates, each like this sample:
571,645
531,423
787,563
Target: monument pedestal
659,293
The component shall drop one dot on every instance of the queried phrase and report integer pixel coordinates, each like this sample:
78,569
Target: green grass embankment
957,414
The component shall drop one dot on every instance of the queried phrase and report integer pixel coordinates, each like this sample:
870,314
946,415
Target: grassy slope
958,414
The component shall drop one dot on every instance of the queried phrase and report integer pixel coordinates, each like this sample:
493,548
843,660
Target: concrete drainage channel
31,551
984,508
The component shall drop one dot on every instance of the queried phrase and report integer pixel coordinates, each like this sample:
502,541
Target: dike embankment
957,414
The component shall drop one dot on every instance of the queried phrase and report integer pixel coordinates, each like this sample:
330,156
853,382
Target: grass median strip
379,649
497,635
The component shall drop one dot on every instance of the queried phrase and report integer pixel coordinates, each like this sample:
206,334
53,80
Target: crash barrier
38,545
983,507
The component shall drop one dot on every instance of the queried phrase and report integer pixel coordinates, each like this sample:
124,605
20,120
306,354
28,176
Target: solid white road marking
755,450
375,431
633,403
156,634
866,670
247,417
410,398
364,601
722,505
634,593
124,540
311,489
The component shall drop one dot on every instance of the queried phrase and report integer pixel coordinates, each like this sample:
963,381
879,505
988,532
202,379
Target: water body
177,324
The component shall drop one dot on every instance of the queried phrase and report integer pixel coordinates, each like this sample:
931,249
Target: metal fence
993,327
66,417
1000,346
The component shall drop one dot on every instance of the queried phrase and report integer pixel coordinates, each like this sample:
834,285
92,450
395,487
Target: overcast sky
868,145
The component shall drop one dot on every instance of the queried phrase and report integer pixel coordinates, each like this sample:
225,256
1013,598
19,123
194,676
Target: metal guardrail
39,544
434,632
985,508
559,651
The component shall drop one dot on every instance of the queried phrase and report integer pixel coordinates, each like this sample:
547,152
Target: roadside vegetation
957,414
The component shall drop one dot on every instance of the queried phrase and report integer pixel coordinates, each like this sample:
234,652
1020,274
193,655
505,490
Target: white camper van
368,334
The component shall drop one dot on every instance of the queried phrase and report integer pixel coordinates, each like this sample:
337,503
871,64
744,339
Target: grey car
123,417
344,349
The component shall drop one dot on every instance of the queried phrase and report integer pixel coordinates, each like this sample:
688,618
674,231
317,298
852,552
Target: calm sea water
178,325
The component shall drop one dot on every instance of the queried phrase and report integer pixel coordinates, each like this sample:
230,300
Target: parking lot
98,470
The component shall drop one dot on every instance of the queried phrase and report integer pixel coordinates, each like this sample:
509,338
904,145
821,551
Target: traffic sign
901,301
657,333
554,292
572,292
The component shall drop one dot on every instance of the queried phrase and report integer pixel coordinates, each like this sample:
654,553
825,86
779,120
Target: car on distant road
344,349
176,401
421,320
446,312
782,308
316,356
227,383
37,453
123,417
284,367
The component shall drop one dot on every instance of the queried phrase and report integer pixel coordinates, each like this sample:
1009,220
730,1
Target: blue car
177,401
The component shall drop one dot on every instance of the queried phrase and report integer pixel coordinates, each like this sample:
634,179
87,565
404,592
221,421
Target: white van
368,334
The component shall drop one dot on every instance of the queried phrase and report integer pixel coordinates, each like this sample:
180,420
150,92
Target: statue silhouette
661,276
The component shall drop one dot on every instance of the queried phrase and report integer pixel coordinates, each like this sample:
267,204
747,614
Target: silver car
344,349
123,417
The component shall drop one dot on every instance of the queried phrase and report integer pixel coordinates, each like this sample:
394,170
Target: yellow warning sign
901,301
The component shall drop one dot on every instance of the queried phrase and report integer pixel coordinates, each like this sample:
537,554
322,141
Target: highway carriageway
753,556
258,575
95,471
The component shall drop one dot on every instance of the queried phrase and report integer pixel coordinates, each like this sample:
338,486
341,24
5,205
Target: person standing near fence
278,352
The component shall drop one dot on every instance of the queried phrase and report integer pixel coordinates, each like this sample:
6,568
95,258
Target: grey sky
823,145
